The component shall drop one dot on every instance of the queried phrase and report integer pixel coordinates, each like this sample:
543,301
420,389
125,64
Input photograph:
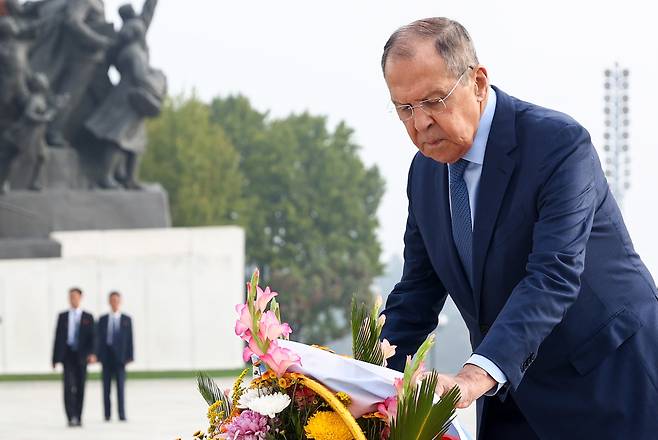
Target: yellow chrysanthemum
344,398
327,425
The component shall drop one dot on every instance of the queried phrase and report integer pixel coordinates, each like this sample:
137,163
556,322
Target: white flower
270,405
250,395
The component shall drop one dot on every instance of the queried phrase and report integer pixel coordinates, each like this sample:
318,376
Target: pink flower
264,297
418,374
398,384
246,354
251,348
279,359
389,408
262,329
387,349
271,328
249,425
243,324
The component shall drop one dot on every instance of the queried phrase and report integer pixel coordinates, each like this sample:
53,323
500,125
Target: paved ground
156,409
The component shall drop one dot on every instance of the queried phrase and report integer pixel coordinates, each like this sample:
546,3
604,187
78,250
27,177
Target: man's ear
481,82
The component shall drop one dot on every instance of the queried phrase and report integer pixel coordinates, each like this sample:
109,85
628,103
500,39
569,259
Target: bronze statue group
56,91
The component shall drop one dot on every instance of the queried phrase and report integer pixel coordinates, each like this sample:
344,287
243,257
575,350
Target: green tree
313,223
300,189
196,163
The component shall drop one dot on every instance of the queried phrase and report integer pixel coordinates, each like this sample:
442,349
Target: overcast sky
291,56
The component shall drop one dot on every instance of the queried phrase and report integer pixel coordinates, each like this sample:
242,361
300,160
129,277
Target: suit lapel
497,170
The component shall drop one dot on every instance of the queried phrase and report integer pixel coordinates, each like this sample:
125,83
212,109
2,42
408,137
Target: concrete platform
27,218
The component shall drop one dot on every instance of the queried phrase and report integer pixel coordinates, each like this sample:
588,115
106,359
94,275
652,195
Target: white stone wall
179,285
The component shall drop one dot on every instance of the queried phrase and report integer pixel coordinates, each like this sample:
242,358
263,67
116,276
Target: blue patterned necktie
462,231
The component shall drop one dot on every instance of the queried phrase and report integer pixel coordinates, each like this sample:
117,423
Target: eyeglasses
431,107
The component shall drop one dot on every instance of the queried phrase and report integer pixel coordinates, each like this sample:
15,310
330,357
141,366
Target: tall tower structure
616,134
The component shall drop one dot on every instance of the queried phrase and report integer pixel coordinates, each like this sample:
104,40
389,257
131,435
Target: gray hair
451,40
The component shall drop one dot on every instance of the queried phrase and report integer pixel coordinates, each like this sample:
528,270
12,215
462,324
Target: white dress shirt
113,324
74,321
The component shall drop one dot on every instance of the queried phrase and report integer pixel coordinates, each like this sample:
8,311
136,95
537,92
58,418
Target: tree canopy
307,201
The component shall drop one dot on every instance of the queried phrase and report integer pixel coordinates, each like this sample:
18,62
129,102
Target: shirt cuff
491,369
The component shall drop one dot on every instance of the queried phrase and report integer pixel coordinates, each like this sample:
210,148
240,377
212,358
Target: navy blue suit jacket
85,342
123,348
561,302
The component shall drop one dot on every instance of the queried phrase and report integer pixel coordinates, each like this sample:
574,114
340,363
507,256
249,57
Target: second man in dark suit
114,350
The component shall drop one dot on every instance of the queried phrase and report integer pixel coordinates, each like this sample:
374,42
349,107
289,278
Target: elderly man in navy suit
511,215
74,348
114,351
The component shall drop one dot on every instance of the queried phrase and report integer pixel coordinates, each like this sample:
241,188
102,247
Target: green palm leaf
211,393
418,418
366,333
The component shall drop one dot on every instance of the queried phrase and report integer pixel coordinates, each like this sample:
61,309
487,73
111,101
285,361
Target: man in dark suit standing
115,350
511,215
74,348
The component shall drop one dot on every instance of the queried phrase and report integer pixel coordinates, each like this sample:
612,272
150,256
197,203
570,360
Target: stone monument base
14,248
29,217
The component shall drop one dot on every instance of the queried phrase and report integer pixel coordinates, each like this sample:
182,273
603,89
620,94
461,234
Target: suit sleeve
565,204
58,331
130,354
92,339
97,338
413,307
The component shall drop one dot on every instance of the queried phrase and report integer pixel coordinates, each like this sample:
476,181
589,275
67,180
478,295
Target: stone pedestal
17,248
30,216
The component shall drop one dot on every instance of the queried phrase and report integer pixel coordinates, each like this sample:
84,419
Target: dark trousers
75,375
113,369
504,421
